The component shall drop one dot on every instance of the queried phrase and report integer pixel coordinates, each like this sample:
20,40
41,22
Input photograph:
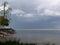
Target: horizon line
38,29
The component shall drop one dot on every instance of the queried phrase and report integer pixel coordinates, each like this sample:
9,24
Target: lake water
38,35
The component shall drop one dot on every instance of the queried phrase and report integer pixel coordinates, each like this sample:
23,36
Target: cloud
20,13
28,15
17,11
39,7
36,13
48,12
49,8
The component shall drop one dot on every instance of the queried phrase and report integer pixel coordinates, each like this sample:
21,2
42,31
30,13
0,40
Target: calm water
38,35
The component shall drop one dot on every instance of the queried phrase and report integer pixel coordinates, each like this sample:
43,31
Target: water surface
38,35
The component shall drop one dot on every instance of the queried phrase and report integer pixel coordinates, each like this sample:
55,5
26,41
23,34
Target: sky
34,14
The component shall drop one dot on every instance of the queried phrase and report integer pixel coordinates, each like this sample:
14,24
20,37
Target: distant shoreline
37,29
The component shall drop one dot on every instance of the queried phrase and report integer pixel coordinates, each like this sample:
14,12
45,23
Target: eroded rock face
6,31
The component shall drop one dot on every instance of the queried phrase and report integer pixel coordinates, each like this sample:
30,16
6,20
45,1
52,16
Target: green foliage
3,21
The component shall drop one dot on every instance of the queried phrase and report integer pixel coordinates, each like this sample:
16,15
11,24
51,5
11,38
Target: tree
5,12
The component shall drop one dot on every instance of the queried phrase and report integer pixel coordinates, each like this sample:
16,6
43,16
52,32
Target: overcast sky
34,13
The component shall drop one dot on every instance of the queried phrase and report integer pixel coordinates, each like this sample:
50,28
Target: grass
14,42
